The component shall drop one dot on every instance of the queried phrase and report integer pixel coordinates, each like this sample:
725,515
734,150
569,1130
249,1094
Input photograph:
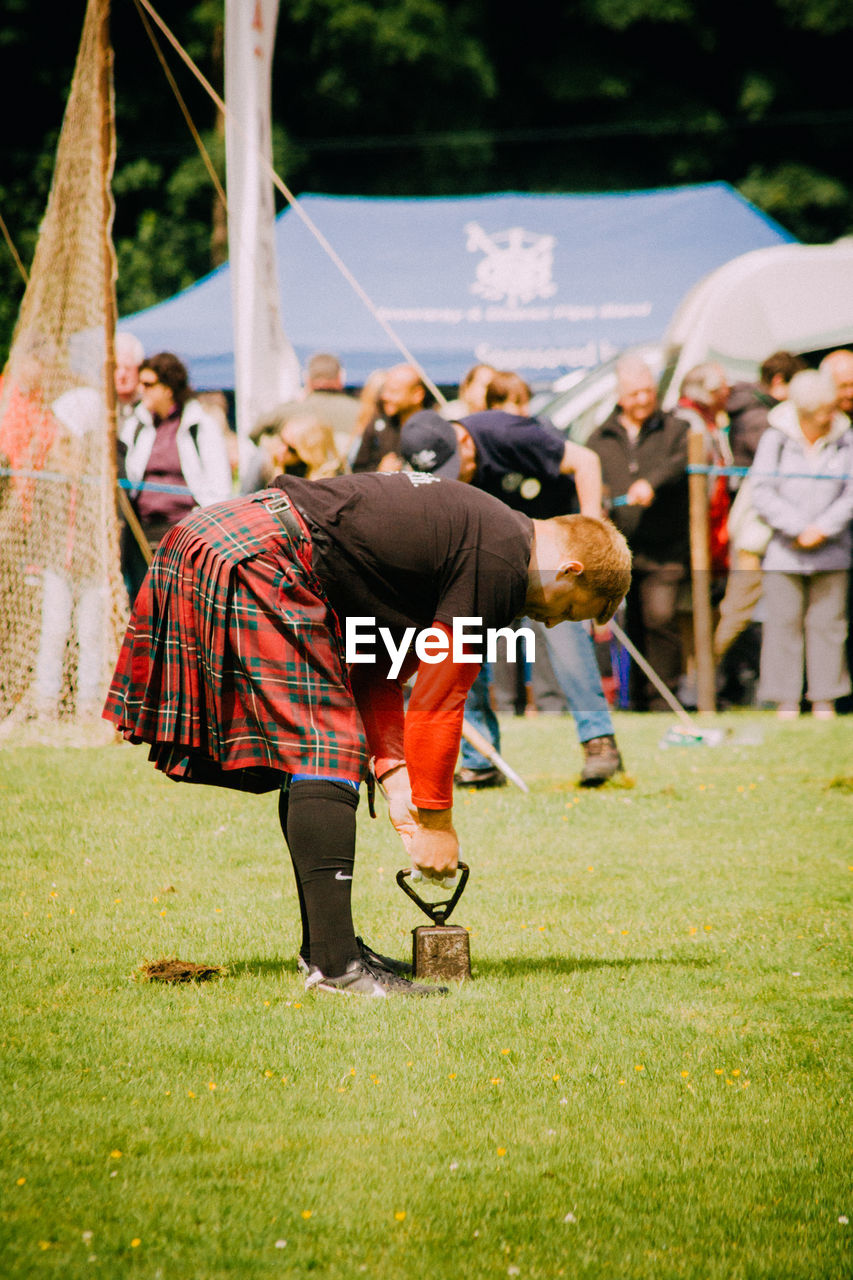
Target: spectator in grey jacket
839,364
802,485
748,407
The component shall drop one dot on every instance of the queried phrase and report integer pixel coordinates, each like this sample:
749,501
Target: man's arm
433,731
429,737
585,466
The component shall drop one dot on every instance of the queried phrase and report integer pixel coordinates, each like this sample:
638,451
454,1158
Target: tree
433,97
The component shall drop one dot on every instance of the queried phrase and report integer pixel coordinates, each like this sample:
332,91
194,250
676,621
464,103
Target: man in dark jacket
403,393
643,454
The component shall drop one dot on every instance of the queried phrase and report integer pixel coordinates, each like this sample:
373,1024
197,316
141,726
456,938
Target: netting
62,600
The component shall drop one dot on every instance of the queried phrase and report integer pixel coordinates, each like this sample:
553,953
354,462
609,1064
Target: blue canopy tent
542,284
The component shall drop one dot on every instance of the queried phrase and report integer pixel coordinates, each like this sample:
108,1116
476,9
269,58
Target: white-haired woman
802,480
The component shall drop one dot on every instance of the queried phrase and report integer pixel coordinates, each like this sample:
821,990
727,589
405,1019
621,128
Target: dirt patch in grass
842,783
170,969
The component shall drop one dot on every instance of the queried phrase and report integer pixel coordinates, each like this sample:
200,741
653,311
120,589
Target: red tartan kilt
231,667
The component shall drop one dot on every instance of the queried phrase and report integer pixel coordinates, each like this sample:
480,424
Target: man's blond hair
604,554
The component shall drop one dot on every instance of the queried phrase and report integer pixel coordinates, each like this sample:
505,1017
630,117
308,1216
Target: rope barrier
713,470
620,501
66,477
708,469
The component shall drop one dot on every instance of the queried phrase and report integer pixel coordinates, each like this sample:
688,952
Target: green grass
649,1075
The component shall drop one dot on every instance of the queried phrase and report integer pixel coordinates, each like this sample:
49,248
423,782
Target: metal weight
439,950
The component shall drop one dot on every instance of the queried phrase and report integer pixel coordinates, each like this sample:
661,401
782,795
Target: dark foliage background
419,97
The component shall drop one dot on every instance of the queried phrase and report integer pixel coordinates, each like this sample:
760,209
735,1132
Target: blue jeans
479,714
572,653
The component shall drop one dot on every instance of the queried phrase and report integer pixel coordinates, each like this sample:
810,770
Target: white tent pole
297,208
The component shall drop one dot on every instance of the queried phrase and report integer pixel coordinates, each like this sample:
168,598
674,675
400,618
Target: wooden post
700,570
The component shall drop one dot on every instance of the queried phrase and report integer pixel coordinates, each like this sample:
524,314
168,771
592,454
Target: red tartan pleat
230,668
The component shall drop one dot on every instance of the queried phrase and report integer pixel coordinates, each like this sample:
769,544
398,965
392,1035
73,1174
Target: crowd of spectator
779,536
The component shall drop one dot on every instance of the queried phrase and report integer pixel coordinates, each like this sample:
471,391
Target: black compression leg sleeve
321,838
305,946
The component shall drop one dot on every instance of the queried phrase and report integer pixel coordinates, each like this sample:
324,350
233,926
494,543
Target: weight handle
438,912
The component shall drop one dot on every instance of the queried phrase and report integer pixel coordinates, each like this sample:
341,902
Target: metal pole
481,743
665,692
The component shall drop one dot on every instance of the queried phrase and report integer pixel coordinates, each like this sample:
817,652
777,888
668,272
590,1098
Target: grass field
648,1076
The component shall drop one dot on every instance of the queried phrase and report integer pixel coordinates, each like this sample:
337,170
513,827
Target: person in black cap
403,393
532,468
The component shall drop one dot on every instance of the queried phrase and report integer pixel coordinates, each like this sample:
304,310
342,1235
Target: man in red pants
234,667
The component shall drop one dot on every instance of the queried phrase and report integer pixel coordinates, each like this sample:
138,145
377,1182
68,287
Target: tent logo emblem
517,266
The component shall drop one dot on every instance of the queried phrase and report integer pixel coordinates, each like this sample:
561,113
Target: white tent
789,297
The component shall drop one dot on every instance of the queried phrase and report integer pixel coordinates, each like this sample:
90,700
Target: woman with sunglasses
176,456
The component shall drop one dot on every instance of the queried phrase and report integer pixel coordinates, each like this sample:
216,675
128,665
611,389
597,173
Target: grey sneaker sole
361,980
373,991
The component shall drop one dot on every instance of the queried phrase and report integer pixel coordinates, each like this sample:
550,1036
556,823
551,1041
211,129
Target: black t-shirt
408,549
518,461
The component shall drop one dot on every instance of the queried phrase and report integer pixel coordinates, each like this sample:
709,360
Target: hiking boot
479,778
402,968
361,979
601,759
